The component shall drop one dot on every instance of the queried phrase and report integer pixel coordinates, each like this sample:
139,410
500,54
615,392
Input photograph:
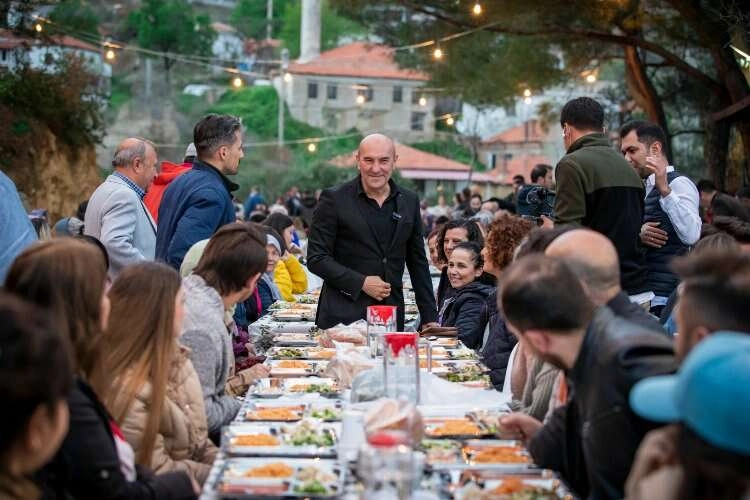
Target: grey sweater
207,337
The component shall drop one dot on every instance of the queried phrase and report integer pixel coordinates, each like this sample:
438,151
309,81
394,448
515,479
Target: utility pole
282,94
269,19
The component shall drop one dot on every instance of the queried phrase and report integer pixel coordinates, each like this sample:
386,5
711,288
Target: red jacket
169,172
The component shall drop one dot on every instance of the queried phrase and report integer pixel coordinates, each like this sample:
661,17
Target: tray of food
307,298
289,410
506,456
295,314
458,428
308,438
317,353
295,340
469,374
295,367
242,477
296,387
513,487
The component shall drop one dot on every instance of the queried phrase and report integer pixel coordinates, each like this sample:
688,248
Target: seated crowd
119,372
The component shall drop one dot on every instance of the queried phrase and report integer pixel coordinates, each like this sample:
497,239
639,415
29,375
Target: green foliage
119,95
75,16
65,100
171,26
333,27
249,17
258,108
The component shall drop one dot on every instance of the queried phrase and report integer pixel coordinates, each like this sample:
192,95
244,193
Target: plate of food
308,387
274,413
306,438
263,477
294,340
441,451
438,352
293,315
459,428
295,367
326,413
495,452
513,488
470,372
307,298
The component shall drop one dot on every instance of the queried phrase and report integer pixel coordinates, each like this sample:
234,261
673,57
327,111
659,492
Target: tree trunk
644,93
715,150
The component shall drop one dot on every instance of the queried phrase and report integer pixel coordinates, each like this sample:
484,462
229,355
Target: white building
229,44
360,86
41,53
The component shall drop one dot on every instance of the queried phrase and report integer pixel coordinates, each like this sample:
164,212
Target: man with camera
598,189
538,198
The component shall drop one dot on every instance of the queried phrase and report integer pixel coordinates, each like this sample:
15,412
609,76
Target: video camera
535,201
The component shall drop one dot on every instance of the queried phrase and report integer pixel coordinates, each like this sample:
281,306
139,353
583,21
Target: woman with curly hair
504,236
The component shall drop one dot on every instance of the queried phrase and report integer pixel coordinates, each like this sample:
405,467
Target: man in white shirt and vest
671,223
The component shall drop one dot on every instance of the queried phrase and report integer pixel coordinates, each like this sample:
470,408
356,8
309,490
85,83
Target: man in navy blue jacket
199,202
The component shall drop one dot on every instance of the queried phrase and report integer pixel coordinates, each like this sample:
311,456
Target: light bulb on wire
450,121
438,53
237,82
287,77
110,54
312,147
591,78
38,27
527,93
423,101
360,99
477,9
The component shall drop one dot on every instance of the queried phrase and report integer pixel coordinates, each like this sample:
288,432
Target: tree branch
625,40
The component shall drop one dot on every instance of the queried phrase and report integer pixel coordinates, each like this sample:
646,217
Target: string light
477,10
312,147
591,78
450,121
360,99
237,82
110,55
423,101
38,27
287,77
438,53
527,93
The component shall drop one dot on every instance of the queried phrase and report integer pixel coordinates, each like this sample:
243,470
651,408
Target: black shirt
383,219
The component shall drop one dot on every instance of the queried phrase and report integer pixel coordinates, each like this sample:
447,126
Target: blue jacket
194,207
16,231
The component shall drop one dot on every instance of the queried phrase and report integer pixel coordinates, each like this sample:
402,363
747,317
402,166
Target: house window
398,93
417,121
366,91
312,90
415,96
332,91
3,55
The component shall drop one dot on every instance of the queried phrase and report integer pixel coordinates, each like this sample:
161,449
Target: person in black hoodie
462,310
67,278
451,234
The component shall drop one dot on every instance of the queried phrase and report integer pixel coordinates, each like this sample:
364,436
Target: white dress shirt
681,206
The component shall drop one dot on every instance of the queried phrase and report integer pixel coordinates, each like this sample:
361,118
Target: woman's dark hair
87,238
233,255
474,250
36,366
711,472
472,233
279,222
257,217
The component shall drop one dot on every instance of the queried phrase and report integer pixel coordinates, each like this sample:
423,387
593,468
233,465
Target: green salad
311,488
290,352
468,373
306,435
326,414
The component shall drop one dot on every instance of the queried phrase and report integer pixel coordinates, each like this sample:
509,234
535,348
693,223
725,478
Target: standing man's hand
376,288
657,164
652,236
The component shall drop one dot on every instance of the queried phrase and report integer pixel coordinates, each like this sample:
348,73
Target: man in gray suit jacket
116,214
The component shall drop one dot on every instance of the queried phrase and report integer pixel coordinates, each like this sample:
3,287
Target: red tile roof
359,60
520,165
529,131
222,28
8,40
410,159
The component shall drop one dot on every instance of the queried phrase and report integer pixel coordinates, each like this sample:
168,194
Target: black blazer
343,250
87,465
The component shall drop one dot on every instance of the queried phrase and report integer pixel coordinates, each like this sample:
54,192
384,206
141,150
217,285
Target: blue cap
710,393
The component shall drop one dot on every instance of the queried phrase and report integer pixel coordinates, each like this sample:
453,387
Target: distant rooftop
358,60
9,40
410,158
529,131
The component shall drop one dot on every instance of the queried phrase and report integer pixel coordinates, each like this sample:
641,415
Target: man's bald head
593,258
130,149
136,159
378,142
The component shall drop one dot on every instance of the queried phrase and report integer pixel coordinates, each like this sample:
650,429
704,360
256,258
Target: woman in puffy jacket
289,274
462,310
154,392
